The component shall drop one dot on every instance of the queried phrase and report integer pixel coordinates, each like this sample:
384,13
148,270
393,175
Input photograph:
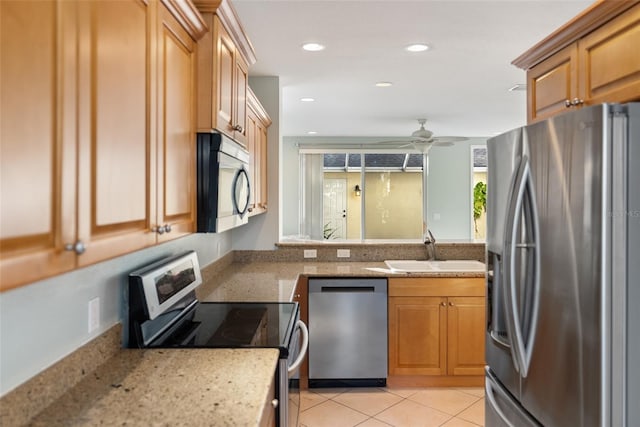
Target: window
361,195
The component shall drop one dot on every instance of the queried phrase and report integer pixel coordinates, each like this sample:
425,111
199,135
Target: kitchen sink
409,266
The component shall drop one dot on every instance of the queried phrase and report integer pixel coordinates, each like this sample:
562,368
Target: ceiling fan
422,140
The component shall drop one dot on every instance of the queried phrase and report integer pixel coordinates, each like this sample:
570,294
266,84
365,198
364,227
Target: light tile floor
384,407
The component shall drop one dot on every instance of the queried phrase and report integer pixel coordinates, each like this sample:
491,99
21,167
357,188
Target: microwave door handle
303,347
509,281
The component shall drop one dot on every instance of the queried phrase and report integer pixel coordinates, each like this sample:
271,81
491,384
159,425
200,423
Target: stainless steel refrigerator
563,271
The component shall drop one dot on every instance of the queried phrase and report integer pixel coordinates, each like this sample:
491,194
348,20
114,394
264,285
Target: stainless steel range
165,313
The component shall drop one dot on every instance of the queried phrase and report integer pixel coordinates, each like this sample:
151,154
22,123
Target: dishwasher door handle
348,289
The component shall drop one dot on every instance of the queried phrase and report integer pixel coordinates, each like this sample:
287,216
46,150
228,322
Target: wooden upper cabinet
609,61
176,173
37,140
222,83
258,122
552,84
114,185
97,135
592,59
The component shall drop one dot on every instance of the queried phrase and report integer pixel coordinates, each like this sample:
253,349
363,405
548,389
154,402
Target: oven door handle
303,348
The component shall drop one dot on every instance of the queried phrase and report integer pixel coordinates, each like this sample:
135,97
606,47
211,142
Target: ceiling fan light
422,133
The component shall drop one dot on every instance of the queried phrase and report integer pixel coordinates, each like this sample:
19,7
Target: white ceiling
460,85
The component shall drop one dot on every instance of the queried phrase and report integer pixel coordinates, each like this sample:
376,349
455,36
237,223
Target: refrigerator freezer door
567,155
501,410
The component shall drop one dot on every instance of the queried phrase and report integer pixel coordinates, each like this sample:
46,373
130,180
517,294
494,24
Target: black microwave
223,187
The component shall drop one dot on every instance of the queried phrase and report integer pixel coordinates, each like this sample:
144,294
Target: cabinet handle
238,128
167,228
250,210
443,303
567,103
451,304
297,296
78,247
274,403
577,101
159,230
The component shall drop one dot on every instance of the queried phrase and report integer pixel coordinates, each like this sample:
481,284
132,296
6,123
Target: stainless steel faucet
430,241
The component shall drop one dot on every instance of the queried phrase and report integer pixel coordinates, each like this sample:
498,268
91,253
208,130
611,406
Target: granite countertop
214,387
217,387
276,281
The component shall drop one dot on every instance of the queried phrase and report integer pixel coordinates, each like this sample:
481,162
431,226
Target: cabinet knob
78,247
451,304
250,210
443,303
297,296
567,103
167,228
274,403
238,128
159,230
577,101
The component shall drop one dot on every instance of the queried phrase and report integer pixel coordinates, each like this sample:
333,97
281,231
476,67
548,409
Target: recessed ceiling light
312,132
312,47
418,47
307,99
384,84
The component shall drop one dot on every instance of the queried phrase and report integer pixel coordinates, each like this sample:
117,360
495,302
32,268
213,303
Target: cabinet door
176,128
551,83
251,147
609,59
264,183
240,100
37,140
114,189
417,335
466,322
225,68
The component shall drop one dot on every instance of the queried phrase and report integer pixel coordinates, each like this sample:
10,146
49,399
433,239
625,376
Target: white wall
262,231
448,194
449,191
45,321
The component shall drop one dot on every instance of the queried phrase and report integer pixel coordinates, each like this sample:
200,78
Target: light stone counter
191,387
276,281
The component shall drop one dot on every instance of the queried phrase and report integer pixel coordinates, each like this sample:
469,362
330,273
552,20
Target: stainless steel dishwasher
347,332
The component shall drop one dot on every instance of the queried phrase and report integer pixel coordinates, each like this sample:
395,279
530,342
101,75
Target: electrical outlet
343,253
94,314
310,253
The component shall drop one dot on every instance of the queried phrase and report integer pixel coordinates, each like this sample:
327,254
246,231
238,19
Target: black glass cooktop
229,325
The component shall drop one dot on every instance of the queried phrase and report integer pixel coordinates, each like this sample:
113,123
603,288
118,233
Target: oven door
233,193
289,395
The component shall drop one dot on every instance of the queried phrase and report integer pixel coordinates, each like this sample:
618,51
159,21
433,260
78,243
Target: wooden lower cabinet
436,332
268,418
301,296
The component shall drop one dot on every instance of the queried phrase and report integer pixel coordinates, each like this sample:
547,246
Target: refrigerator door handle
521,203
489,391
524,193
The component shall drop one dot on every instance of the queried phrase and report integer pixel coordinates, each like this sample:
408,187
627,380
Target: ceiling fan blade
445,141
